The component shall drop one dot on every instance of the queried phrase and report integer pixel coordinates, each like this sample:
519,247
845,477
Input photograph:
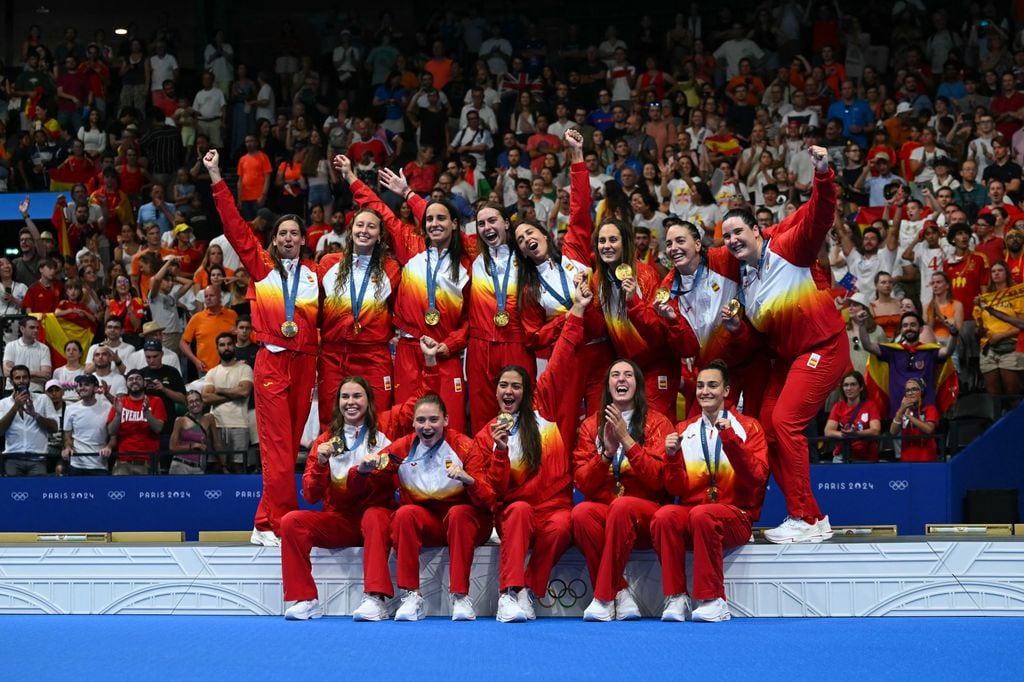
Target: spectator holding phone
28,419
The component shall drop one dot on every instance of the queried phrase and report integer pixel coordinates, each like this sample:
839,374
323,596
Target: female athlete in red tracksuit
351,516
285,296
612,247
444,498
529,467
359,287
433,292
618,468
805,332
717,465
691,318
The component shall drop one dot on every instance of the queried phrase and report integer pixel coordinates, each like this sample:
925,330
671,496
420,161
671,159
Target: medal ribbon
501,296
741,295
291,296
432,279
357,301
566,300
712,473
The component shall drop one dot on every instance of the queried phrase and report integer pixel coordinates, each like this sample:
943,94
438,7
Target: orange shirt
252,171
203,328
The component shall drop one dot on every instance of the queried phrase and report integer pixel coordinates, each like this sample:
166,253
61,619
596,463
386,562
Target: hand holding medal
501,429
731,313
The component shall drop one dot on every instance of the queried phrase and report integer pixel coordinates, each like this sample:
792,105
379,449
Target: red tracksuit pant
707,529
304,529
484,360
661,385
463,528
408,379
373,363
549,533
606,535
796,391
284,387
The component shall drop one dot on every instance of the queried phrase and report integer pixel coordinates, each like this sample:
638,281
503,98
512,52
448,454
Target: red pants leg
301,531
552,537
516,526
795,394
484,360
714,528
376,529
588,521
373,363
330,368
466,527
284,386
413,527
628,526
669,536
408,378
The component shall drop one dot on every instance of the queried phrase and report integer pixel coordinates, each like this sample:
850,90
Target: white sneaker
509,610
525,599
825,528
304,610
625,606
712,611
677,609
265,538
794,530
598,610
372,608
411,608
462,607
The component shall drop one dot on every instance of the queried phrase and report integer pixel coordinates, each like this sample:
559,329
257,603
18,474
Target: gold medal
432,317
289,329
662,295
712,493
501,318
356,328
383,461
620,490
338,444
734,307
623,271
506,420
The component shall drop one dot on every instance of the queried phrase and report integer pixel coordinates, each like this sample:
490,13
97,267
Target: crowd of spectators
683,117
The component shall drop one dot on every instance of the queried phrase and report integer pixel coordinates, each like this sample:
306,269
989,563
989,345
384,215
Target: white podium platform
899,577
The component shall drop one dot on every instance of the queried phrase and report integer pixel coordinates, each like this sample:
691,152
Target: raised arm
577,239
405,242
800,242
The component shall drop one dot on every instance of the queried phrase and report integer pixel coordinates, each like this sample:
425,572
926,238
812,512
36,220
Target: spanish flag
876,378
55,332
724,145
60,225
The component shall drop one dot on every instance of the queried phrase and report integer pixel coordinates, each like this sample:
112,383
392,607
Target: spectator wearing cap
898,126
88,443
187,249
203,328
137,423
28,352
875,185
227,388
55,441
152,331
27,421
163,383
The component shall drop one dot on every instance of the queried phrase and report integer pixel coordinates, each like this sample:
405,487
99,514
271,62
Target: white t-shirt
928,261
67,378
266,93
209,104
231,260
864,268
543,206
116,382
137,360
162,69
123,350
36,357
231,414
88,427
502,49
653,224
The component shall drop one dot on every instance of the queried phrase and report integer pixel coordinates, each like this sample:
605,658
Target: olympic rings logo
19,496
115,494
561,593
212,494
899,485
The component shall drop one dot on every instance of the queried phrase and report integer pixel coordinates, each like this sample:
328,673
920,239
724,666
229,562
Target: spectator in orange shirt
203,328
190,252
254,171
140,280
439,66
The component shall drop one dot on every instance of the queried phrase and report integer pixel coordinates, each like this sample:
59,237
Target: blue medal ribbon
413,454
712,473
357,300
501,296
620,456
565,299
360,437
677,282
432,279
291,296
741,294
